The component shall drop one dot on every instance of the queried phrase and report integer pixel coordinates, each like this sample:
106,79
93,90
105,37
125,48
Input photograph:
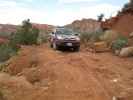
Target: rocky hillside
123,22
44,27
8,28
85,25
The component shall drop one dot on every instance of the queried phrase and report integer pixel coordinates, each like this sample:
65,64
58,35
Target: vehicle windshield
65,32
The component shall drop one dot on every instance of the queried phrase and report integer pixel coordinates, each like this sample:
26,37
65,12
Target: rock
118,98
114,98
115,80
85,25
100,47
126,52
131,35
117,52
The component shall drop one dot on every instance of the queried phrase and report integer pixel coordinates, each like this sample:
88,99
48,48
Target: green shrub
94,36
5,34
85,37
6,51
25,38
119,43
43,38
109,36
26,34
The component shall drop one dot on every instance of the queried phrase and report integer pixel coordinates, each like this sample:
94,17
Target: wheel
76,49
51,45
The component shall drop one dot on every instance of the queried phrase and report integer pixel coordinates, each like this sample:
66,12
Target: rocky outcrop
122,23
44,27
8,28
85,26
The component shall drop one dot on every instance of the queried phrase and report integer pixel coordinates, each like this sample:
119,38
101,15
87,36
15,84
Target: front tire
76,49
51,45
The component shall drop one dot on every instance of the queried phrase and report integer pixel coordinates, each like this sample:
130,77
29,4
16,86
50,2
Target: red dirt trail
56,75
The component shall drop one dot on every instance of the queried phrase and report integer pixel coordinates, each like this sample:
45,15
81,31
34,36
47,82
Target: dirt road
41,73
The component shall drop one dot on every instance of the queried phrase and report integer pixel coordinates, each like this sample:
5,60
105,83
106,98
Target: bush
5,35
94,36
26,35
119,43
128,6
43,37
6,51
85,37
109,36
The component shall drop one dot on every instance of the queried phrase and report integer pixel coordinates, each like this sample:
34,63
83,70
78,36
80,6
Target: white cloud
73,1
63,16
14,13
29,0
7,3
94,11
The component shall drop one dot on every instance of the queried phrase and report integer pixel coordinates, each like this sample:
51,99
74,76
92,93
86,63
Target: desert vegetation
25,35
128,6
91,37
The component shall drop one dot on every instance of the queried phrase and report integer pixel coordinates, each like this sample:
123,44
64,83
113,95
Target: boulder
100,47
126,52
117,52
131,35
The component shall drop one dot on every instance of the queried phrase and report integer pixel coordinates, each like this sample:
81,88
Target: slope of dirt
41,73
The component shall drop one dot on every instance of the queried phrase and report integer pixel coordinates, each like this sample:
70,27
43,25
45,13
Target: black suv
63,37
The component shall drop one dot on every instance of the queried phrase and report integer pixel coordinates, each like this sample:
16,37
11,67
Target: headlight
77,38
60,37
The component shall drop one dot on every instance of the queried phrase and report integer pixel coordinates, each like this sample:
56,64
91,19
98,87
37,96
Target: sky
56,12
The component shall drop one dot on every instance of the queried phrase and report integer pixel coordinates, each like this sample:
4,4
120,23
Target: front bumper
64,43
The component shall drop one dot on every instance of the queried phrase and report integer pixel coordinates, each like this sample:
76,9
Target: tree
128,6
26,34
100,17
131,1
